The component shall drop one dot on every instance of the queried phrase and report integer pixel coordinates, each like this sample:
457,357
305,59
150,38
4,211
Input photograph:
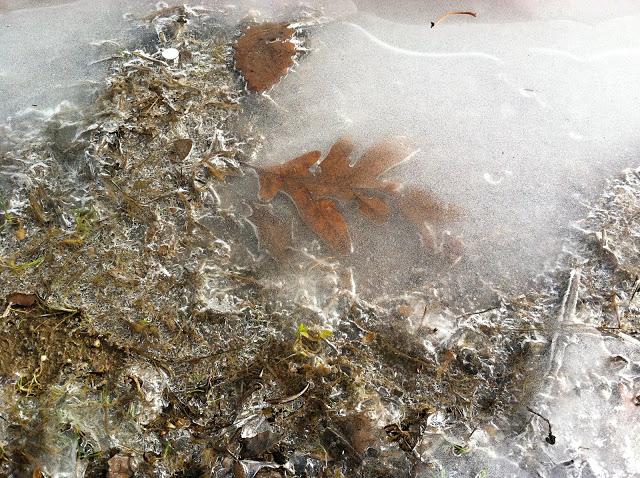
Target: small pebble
170,53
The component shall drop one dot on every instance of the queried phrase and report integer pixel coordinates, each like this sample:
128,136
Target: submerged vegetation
146,331
264,53
314,193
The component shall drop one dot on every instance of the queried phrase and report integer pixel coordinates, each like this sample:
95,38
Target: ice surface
45,52
517,122
48,47
498,11
520,115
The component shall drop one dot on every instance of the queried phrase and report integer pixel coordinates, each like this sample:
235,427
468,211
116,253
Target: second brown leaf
264,53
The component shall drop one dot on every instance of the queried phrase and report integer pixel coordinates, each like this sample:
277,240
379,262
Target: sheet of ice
45,52
517,122
498,11
591,407
520,114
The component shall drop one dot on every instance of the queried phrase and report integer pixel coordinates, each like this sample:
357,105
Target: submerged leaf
422,209
181,149
325,219
286,176
337,178
373,207
273,232
264,53
418,205
314,193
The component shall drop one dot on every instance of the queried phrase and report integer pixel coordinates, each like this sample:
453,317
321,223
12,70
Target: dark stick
551,438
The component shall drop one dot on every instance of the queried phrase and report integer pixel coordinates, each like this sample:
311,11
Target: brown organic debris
361,432
120,467
181,149
325,219
21,232
274,233
422,209
264,53
359,182
315,193
21,299
37,198
448,14
321,216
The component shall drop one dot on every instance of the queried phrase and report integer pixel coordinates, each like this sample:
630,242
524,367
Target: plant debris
120,467
181,149
314,193
22,300
273,231
264,53
159,344
448,14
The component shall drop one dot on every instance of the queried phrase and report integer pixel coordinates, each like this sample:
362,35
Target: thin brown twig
448,14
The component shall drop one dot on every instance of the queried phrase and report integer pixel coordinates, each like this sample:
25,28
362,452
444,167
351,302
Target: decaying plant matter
315,193
142,335
264,53
448,14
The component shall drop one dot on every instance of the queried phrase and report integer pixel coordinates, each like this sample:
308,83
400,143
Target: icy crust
165,342
593,398
588,385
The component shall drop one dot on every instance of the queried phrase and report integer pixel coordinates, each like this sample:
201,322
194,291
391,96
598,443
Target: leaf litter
264,53
315,193
153,338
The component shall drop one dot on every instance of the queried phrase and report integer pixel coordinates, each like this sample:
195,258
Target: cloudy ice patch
517,122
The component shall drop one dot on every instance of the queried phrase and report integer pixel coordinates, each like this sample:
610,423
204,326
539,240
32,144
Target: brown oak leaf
335,178
264,53
324,218
315,191
287,176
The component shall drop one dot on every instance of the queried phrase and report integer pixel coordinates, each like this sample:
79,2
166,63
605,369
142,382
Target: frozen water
520,114
517,122
45,52
498,11
48,47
